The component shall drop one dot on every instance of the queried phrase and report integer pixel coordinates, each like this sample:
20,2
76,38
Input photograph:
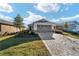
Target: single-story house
42,25
7,27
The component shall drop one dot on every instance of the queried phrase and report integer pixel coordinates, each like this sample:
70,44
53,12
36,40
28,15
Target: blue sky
32,12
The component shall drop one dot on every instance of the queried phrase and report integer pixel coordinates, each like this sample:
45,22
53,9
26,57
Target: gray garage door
44,28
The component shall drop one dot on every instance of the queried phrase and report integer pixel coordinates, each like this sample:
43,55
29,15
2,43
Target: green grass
13,45
76,36
5,37
73,35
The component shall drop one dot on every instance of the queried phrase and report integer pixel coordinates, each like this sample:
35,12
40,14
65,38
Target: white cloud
64,19
70,18
32,17
47,7
3,17
5,7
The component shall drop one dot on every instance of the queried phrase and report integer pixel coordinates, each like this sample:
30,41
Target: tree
18,22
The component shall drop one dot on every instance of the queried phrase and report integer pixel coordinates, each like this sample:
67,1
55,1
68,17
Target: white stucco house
42,26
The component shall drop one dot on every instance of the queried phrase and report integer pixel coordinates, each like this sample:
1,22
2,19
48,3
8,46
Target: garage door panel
44,28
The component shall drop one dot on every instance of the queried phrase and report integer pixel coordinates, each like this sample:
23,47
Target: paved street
60,45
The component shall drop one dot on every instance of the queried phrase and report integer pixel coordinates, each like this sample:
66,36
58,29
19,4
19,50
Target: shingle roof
42,20
5,22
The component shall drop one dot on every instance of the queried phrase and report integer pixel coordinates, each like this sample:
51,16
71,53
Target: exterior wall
8,29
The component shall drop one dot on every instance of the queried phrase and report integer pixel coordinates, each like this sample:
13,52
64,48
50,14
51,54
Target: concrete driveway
60,45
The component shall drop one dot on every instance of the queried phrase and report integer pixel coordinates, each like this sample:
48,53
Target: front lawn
29,45
71,34
76,36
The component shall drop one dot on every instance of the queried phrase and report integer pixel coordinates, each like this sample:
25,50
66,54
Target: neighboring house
7,27
73,26
42,26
